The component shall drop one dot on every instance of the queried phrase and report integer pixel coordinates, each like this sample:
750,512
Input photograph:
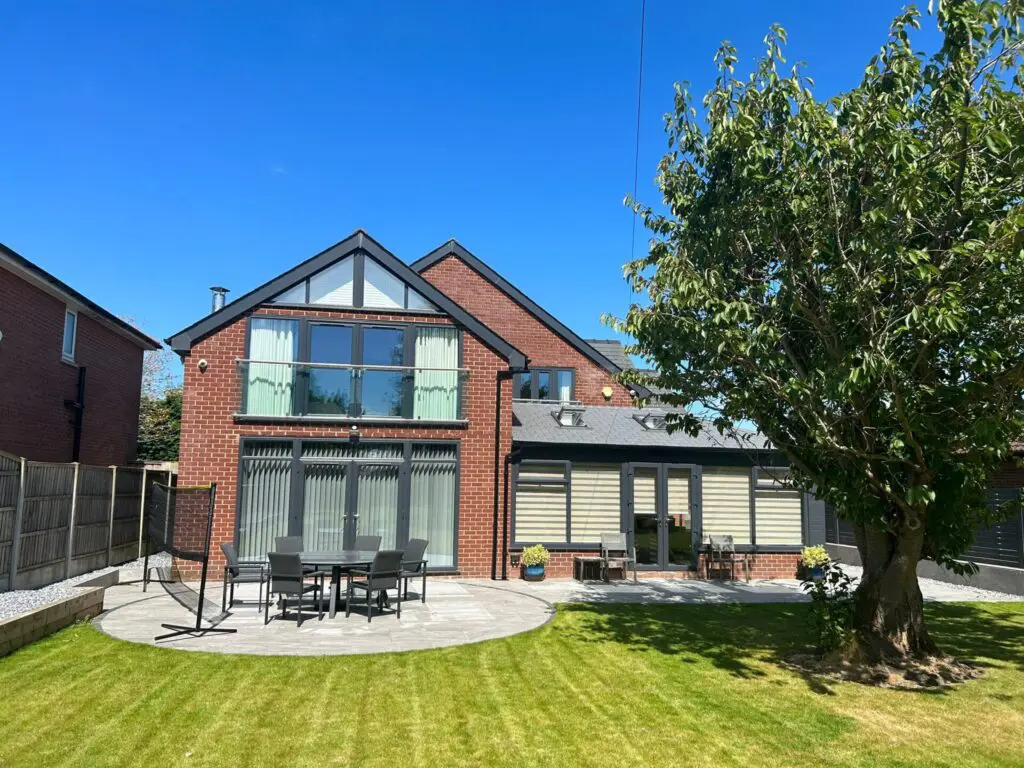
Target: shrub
831,607
535,555
815,557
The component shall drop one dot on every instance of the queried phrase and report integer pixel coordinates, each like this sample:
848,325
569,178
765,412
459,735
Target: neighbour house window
357,369
70,333
355,281
331,491
545,384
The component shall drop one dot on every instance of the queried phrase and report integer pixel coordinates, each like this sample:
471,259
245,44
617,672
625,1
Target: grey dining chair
366,543
237,572
288,544
385,573
616,553
287,579
722,557
413,565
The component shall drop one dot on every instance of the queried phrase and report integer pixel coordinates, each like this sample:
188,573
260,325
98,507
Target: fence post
71,524
19,513
110,527
142,509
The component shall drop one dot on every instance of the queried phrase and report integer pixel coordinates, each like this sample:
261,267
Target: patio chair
616,553
385,573
237,572
366,543
287,579
414,565
722,555
288,544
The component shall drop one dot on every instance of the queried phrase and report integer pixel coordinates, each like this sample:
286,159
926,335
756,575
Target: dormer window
651,420
569,416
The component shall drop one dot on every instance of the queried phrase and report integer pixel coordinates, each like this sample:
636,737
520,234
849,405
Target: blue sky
150,150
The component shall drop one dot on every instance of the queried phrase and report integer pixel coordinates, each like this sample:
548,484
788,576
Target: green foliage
160,426
535,555
815,557
849,274
831,614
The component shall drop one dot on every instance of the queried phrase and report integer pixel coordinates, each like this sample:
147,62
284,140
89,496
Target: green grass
601,685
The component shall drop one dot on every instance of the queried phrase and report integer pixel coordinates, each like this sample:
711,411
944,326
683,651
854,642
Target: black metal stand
198,630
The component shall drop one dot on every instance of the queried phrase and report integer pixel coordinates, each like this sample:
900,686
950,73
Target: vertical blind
270,385
432,501
266,490
354,486
436,393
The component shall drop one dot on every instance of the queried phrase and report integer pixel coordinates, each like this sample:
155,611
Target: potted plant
534,559
814,560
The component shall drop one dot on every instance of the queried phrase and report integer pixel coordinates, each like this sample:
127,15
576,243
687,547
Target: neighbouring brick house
357,394
70,371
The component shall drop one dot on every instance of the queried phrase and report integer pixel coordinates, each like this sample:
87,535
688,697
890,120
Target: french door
660,507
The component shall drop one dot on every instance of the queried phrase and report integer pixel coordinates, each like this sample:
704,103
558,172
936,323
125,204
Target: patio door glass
377,502
660,511
645,515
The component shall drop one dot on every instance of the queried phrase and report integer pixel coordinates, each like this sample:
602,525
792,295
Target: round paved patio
455,613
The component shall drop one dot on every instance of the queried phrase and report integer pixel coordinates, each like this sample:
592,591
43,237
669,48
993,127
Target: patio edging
19,631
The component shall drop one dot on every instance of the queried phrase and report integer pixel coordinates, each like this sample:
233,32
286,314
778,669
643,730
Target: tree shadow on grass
737,638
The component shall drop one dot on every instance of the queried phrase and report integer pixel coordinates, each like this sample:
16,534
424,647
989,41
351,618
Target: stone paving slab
456,612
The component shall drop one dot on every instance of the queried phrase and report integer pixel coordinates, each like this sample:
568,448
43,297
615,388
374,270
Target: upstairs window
67,351
557,384
353,282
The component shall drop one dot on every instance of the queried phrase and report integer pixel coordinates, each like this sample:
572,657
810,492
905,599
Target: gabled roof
359,240
47,282
613,350
454,248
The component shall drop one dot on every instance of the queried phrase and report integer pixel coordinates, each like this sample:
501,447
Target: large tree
848,275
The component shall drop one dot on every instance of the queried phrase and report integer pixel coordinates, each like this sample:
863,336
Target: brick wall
763,565
35,382
210,437
498,311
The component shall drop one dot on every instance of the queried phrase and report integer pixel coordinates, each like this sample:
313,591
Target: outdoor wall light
353,434
202,365
514,557
607,393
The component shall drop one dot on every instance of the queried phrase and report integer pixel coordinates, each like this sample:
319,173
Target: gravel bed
25,600
946,592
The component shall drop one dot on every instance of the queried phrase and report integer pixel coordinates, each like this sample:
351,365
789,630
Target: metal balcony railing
299,390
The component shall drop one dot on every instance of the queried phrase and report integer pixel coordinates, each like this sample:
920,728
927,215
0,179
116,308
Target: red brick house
70,371
357,394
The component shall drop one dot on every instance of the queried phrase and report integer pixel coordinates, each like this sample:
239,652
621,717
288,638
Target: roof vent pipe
218,297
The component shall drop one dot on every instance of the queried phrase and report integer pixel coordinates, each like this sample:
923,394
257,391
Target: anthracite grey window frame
534,376
301,389
297,486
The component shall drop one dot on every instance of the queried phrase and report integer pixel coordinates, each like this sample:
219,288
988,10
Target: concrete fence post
71,524
110,526
19,513
142,510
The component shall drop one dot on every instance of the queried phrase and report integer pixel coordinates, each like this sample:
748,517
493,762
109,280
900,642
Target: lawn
600,685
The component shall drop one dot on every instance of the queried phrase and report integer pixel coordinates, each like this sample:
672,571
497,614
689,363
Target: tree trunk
888,607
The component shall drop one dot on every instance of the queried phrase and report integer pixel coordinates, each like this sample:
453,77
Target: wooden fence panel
46,515
10,471
92,511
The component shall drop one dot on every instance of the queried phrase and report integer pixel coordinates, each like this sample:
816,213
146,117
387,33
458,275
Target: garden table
337,560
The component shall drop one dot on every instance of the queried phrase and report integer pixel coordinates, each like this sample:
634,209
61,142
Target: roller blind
595,502
777,517
540,508
726,503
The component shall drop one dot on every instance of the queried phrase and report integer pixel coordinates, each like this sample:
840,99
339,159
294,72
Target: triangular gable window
339,285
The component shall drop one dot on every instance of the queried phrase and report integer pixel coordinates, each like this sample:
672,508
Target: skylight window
651,420
569,416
